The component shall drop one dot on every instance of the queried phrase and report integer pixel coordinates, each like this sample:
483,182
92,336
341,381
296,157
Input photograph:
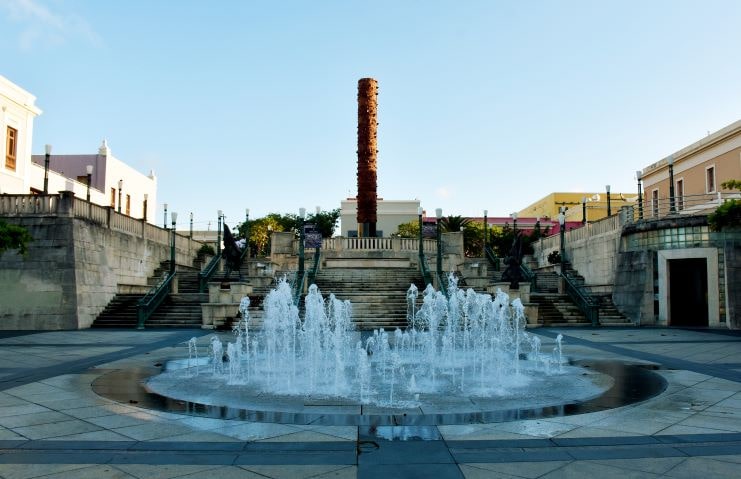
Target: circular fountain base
596,386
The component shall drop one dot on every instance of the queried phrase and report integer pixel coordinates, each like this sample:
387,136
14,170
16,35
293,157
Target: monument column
367,155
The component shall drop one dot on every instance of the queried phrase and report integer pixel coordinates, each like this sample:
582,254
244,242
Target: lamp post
120,187
46,169
486,227
146,205
670,161
165,220
218,233
191,225
89,169
438,215
301,238
609,210
640,195
247,230
562,223
172,248
584,210
514,221
419,216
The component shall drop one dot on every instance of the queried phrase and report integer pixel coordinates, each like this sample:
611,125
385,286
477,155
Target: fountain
467,351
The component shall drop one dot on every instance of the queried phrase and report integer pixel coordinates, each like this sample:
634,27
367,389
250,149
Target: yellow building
595,205
697,171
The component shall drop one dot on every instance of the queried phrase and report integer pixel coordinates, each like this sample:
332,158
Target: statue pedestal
223,303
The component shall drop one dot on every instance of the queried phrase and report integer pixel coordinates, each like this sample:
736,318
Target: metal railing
204,276
315,267
529,276
425,270
298,287
147,305
489,253
581,298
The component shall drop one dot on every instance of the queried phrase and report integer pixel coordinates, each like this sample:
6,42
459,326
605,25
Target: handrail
298,287
583,300
315,268
148,304
426,276
207,273
531,277
441,283
489,253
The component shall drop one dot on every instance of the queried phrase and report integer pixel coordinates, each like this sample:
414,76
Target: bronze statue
232,254
513,261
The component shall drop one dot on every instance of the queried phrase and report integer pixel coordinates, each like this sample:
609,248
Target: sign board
312,236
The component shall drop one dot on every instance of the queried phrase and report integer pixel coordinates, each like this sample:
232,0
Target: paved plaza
53,425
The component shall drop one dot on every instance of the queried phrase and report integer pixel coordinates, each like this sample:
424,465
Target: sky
482,104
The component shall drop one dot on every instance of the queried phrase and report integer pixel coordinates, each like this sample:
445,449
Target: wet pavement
53,423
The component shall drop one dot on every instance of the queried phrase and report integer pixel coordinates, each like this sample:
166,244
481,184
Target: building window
113,197
655,203
680,194
11,148
710,179
128,205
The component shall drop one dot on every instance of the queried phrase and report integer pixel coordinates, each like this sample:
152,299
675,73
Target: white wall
17,110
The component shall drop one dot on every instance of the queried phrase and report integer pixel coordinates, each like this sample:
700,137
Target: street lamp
301,238
120,187
89,169
172,248
438,215
670,161
486,227
218,233
247,230
562,222
640,195
46,169
514,221
419,216
165,221
146,205
584,210
191,225
609,210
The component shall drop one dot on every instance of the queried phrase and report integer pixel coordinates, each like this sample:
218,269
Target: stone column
367,155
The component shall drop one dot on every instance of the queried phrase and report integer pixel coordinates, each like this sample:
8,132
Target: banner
312,236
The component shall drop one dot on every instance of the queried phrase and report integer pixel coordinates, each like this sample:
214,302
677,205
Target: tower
367,156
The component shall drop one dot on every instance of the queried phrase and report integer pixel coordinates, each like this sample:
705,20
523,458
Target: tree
408,230
451,224
13,237
727,215
325,221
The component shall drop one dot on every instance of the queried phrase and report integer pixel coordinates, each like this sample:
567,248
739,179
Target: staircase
558,310
609,315
378,295
120,312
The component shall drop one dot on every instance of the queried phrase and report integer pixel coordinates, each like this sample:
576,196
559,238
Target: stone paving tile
537,428
91,472
681,429
653,465
114,421
226,472
528,470
304,436
343,432
198,436
163,471
33,419
150,431
94,436
593,469
304,472
7,435
588,431
713,422
474,471
57,429
20,409
694,467
100,410
28,471
256,431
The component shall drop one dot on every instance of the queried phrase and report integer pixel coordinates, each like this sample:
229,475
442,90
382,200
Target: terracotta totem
367,156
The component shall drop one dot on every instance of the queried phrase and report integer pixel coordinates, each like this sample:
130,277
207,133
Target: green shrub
14,237
206,249
727,215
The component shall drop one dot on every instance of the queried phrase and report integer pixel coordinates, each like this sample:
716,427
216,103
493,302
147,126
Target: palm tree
454,223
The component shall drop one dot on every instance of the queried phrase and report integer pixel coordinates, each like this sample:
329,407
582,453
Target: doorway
688,292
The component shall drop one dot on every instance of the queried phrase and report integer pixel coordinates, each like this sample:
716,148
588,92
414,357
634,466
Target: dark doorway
688,292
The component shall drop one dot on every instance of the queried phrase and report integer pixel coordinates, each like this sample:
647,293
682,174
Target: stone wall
733,279
73,269
634,283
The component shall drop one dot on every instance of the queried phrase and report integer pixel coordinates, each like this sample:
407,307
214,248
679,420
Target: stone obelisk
367,155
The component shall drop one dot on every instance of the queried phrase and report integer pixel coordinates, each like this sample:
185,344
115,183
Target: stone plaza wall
74,266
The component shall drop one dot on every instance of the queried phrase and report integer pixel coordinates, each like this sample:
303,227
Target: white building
112,182
389,215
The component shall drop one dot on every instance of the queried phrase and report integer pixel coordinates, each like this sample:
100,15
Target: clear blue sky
482,104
